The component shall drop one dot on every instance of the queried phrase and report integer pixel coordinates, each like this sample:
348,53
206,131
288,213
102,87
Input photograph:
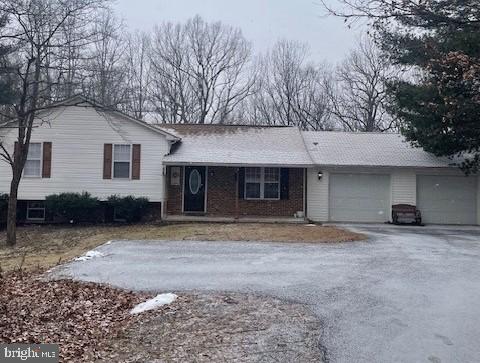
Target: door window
195,181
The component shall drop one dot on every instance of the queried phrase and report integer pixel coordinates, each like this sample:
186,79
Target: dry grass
45,246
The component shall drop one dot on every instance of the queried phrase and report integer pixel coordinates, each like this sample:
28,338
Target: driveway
405,295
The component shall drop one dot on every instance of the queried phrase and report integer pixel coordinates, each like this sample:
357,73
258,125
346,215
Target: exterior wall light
320,175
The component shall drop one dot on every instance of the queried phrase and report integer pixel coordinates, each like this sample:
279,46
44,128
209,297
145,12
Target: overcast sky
262,21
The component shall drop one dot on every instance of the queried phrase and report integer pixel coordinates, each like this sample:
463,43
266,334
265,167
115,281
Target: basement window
36,211
119,215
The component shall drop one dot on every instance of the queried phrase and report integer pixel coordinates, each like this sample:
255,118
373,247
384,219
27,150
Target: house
326,176
235,171
232,171
79,146
364,174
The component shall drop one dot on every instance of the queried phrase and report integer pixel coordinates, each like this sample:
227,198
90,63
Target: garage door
359,197
447,199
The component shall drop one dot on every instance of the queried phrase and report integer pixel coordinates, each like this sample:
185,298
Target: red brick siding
174,194
222,194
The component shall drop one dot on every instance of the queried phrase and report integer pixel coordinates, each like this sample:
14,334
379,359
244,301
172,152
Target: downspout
305,186
305,175
163,212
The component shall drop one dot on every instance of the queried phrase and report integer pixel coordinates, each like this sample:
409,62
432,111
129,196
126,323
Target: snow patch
89,255
157,301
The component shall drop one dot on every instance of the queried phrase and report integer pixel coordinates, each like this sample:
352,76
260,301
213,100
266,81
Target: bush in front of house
73,207
3,209
128,209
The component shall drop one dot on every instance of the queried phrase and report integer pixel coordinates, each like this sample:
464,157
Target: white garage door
447,199
359,197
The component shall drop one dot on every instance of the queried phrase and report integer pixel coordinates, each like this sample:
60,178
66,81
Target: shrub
3,208
3,201
129,209
73,207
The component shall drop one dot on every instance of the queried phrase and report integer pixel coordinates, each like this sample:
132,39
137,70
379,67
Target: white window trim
262,185
129,162
39,176
35,208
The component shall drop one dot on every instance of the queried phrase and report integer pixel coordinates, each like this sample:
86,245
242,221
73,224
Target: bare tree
289,89
172,97
199,71
357,90
105,81
138,74
33,32
69,62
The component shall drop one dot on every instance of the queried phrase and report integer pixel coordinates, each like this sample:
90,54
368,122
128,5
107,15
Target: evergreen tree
438,43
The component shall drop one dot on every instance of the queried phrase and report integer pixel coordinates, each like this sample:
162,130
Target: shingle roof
367,149
237,145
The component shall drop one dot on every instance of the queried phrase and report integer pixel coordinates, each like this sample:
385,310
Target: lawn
46,246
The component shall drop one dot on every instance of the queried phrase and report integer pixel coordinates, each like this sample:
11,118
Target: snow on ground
89,255
157,301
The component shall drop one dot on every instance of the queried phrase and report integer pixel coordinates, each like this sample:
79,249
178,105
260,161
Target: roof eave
247,164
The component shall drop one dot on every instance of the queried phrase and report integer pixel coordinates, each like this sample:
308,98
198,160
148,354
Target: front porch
235,194
244,219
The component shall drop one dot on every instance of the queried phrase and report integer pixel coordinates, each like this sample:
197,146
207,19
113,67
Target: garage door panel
447,199
357,203
359,197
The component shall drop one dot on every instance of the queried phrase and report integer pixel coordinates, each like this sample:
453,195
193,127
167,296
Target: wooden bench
406,213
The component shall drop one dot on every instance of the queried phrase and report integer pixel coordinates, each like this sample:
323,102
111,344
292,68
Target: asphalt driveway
405,295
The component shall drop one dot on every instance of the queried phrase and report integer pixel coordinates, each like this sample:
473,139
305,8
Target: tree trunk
12,212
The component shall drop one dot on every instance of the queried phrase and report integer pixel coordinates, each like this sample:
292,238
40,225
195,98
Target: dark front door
194,191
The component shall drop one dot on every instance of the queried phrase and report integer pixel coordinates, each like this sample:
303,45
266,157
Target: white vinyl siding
478,200
33,165
447,199
359,197
317,195
79,135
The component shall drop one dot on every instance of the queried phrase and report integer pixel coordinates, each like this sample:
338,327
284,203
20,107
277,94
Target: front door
194,189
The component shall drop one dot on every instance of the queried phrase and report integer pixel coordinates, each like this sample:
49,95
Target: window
253,183
121,161
33,165
36,211
118,215
262,183
271,183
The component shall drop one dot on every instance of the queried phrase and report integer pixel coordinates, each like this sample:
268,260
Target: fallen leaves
92,323
76,315
220,327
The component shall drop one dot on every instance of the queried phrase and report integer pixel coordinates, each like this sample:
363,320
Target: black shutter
241,183
284,183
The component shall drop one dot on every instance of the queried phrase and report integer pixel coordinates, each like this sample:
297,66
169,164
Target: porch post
237,190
